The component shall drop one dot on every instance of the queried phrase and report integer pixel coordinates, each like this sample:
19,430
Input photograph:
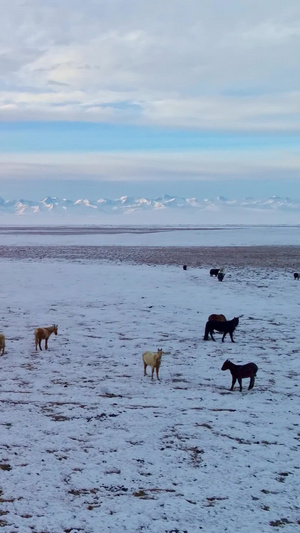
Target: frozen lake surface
151,236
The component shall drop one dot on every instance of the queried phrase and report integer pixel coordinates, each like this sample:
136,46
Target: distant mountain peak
170,205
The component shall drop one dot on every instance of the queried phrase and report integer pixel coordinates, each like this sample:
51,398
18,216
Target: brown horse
220,318
2,343
223,327
44,333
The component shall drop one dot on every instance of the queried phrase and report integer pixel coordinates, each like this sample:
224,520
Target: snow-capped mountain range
161,208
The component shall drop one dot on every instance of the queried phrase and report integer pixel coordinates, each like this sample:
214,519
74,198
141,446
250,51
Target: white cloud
268,33
273,113
145,166
187,63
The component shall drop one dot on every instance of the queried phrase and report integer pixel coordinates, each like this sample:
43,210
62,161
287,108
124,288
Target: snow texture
88,444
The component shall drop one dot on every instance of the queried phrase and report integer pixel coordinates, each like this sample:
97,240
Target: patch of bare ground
212,500
195,256
281,522
151,494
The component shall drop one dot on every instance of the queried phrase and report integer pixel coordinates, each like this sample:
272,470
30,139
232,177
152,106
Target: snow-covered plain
231,235
88,444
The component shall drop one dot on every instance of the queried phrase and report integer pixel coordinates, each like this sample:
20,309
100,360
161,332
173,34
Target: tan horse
2,343
44,333
154,360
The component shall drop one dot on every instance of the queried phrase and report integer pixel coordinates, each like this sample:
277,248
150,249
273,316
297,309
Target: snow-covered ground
88,444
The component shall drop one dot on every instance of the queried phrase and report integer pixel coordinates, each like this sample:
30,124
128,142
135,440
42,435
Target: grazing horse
44,333
239,372
214,271
296,275
223,327
219,318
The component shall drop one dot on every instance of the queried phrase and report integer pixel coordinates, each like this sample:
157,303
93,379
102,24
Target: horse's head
55,329
225,365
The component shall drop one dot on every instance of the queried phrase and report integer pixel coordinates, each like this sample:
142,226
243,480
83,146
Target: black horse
223,327
239,372
296,275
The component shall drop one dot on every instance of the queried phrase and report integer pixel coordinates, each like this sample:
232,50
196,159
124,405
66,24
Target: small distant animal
2,343
154,360
220,318
44,333
239,372
296,275
184,267
221,276
223,327
214,271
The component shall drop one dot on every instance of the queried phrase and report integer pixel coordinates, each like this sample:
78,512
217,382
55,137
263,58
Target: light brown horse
154,360
44,333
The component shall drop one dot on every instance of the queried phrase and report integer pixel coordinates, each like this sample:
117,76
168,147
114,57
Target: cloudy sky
116,97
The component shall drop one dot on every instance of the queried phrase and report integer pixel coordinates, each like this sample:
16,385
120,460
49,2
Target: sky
129,96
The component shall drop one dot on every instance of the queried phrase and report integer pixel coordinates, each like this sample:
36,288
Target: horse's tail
36,338
205,338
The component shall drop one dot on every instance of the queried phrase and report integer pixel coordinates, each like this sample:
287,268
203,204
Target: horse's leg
152,372
224,336
233,382
157,370
230,333
46,344
211,334
240,382
145,372
251,384
40,345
